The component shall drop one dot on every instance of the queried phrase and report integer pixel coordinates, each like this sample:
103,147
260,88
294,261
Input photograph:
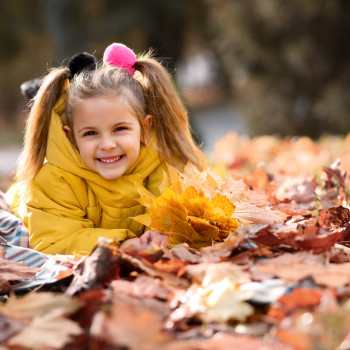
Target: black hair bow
81,61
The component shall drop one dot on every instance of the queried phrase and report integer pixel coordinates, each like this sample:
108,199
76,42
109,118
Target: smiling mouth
109,159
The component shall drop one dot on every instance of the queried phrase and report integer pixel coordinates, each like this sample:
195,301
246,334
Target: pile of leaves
239,155
260,262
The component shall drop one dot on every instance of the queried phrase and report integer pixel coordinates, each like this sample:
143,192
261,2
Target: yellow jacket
70,206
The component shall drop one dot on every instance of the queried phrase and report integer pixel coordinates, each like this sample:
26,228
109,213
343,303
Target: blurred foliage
288,62
40,34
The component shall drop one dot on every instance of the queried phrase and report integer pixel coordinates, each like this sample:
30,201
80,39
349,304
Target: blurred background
255,67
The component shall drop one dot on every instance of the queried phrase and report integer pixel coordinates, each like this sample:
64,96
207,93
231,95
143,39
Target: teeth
109,160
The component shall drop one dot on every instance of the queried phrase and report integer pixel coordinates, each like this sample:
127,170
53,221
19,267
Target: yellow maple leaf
191,210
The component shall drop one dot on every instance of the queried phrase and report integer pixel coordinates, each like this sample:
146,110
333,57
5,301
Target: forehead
100,109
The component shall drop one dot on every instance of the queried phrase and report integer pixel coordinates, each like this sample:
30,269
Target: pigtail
170,120
37,127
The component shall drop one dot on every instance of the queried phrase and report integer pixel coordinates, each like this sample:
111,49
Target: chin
111,176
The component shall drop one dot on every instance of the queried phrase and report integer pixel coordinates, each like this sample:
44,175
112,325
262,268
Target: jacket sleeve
57,216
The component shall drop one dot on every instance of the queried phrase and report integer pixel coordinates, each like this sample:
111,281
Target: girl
100,131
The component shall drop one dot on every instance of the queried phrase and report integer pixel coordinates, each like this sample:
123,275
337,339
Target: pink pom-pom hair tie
119,55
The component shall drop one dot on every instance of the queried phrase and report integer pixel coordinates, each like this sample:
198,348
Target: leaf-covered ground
257,260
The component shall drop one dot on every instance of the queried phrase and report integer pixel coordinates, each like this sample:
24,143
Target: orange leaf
177,266
302,297
298,341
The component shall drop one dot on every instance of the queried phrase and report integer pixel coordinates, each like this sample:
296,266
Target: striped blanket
15,239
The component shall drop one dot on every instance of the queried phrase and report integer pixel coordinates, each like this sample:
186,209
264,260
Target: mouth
109,160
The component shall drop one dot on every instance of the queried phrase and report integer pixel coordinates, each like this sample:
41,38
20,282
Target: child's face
108,135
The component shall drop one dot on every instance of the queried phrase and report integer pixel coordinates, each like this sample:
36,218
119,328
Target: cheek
84,148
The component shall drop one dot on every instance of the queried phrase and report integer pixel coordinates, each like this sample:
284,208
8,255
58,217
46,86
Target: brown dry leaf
331,275
95,270
127,326
250,206
4,285
175,266
322,241
37,304
151,270
219,251
299,189
333,218
249,213
272,234
223,341
306,236
183,252
136,248
9,327
257,179
293,208
142,287
12,271
51,330
2,251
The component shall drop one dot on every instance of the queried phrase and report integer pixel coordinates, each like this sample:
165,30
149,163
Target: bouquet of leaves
201,208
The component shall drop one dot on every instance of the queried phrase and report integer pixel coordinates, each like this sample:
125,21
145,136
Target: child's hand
3,204
154,237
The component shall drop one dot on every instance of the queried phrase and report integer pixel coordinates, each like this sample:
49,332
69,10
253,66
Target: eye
120,128
90,133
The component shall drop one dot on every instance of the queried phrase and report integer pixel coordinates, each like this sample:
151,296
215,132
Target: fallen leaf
301,297
9,327
297,340
333,218
224,341
142,287
331,275
300,236
4,285
215,295
12,271
175,266
219,251
95,270
127,326
152,271
38,304
51,330
183,252
134,247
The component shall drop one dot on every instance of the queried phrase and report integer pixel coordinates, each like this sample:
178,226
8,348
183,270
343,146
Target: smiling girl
91,134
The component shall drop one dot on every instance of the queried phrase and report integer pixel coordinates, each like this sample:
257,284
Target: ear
67,130
147,125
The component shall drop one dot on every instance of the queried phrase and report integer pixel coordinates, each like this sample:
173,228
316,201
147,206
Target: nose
107,143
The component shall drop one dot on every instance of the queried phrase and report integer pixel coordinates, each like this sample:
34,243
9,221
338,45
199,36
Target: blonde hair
37,128
149,91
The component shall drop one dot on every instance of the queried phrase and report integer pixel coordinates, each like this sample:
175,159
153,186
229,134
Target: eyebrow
113,126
